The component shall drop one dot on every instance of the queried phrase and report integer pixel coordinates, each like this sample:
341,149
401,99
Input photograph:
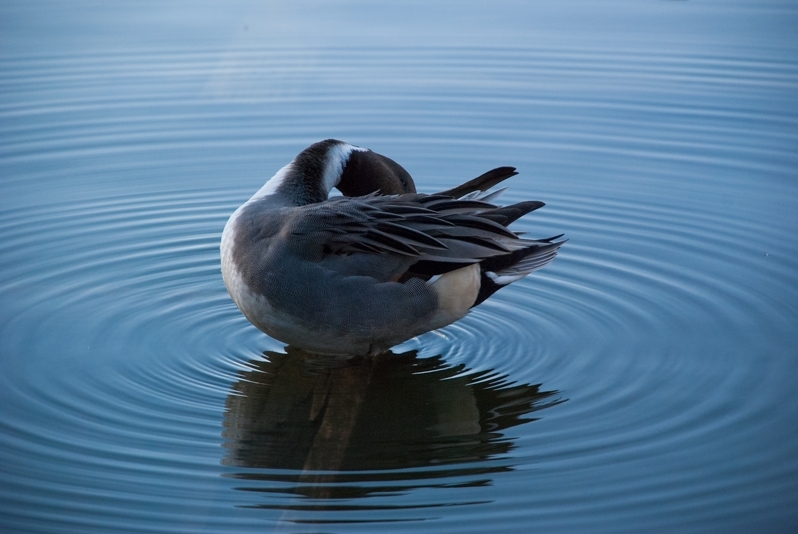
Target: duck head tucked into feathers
360,273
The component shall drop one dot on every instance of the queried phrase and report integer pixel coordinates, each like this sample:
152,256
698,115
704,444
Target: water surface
644,381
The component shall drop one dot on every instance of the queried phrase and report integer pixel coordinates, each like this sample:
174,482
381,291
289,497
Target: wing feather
429,234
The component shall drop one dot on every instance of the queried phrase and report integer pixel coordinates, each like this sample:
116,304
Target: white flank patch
434,279
504,279
457,290
274,182
337,157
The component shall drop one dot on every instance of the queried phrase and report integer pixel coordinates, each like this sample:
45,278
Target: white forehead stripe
336,159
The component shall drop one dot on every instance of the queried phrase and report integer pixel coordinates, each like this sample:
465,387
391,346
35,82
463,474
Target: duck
360,272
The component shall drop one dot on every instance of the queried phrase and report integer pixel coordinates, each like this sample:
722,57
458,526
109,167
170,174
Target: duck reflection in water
332,419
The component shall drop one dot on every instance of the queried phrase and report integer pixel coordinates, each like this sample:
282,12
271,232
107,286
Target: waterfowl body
359,273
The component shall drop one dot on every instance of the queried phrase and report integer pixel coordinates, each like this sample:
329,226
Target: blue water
644,381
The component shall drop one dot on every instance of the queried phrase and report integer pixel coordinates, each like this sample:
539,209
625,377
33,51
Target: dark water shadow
330,428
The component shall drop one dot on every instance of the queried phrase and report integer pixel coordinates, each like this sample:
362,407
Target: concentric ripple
644,381
145,343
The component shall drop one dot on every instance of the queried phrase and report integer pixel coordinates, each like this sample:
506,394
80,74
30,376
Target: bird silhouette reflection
323,420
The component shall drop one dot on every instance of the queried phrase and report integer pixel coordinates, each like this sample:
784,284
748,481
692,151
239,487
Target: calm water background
644,381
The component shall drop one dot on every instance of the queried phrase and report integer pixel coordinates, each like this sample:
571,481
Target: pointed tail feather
481,183
500,271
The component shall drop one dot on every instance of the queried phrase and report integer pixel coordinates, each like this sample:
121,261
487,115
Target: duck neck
310,177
